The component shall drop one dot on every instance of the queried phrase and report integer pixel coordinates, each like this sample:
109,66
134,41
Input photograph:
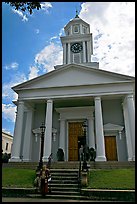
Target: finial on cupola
76,14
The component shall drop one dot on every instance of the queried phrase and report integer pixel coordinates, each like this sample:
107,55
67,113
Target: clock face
76,47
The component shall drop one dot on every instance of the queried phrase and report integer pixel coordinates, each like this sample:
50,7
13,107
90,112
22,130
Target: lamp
42,128
84,166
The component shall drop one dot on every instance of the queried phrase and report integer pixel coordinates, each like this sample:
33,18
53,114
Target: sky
31,44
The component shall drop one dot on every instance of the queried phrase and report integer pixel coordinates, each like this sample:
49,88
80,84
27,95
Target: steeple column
89,51
84,52
64,53
68,53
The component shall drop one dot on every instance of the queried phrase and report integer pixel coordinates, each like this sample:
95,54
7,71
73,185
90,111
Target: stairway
64,184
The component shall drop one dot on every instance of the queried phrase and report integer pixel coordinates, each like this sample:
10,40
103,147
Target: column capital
21,102
97,98
49,101
130,96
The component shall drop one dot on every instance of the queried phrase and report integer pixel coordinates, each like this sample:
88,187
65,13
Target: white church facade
75,92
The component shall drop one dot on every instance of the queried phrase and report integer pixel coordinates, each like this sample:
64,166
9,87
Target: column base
15,159
100,158
133,158
26,160
45,159
130,159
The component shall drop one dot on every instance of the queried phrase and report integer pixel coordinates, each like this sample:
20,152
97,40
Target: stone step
64,186
64,181
67,192
61,197
72,165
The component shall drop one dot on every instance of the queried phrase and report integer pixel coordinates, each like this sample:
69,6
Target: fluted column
131,113
15,154
100,156
48,130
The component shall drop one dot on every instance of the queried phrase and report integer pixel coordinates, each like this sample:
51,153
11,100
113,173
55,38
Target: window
76,29
84,29
6,146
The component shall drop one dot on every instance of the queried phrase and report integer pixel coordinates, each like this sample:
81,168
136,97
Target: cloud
6,131
13,66
33,72
50,56
37,31
8,112
7,92
113,28
20,13
45,6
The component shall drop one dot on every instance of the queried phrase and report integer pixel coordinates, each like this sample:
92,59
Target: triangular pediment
113,127
73,75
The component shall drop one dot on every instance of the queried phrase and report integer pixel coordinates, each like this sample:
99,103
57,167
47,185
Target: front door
110,148
74,132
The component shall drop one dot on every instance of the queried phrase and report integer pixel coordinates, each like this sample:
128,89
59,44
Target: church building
74,94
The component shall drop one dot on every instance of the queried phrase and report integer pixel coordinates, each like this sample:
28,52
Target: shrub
5,157
60,155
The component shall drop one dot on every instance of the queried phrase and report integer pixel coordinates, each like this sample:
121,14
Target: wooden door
74,130
110,148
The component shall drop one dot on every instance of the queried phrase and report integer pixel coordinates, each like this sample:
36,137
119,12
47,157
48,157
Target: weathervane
76,14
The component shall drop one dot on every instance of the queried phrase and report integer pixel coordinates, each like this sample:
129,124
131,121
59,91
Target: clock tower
77,44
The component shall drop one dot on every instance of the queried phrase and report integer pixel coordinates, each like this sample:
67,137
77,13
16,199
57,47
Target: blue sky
31,44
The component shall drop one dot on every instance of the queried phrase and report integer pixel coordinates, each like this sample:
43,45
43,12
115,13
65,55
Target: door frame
114,135
75,114
70,121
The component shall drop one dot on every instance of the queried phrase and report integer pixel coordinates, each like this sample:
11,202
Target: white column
15,155
100,152
48,130
68,53
62,135
89,51
127,131
28,137
91,133
64,53
84,52
131,114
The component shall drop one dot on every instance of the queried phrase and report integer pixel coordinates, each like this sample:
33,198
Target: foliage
13,177
25,6
60,155
112,179
5,157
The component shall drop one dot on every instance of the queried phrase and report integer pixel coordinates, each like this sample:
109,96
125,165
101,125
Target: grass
112,179
12,177
101,179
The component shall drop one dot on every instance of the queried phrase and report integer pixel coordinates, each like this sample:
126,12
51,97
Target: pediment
73,75
112,127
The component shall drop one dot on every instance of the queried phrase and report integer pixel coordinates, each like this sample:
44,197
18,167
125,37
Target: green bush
5,157
60,155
